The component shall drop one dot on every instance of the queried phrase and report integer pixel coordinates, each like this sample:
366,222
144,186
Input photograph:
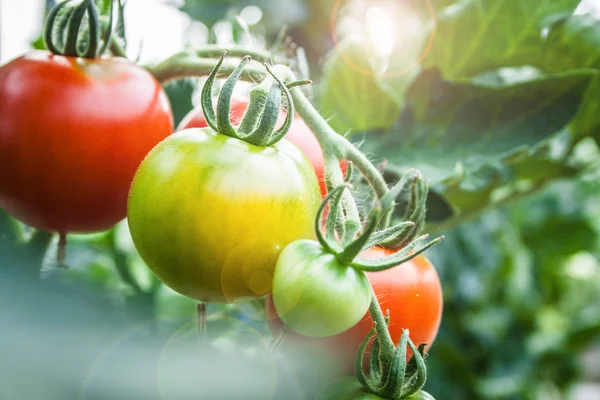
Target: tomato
315,294
209,214
299,134
351,389
72,134
412,292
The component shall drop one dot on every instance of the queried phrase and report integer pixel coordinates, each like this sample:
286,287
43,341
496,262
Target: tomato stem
201,329
61,252
386,343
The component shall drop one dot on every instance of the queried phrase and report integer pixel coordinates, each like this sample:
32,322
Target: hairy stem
186,64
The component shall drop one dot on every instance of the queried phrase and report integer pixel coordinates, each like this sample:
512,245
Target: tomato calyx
257,126
348,253
396,378
414,189
65,31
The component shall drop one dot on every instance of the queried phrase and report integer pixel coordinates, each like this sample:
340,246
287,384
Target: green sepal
394,376
254,111
395,259
390,197
49,27
262,135
332,218
73,28
375,360
224,102
382,235
109,29
326,244
415,211
289,116
206,95
411,386
367,382
353,249
94,32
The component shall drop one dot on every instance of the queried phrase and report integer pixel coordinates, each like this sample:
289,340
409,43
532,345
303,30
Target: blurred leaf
350,93
180,95
473,36
448,122
575,43
470,138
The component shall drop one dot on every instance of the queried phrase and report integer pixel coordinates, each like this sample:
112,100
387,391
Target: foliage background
505,125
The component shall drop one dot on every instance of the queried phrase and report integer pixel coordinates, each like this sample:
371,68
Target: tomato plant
73,131
299,134
412,294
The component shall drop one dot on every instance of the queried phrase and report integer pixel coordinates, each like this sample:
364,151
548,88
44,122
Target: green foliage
349,91
507,90
522,289
475,36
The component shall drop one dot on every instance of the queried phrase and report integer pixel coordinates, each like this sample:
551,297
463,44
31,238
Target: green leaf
574,43
474,36
472,138
351,95
446,122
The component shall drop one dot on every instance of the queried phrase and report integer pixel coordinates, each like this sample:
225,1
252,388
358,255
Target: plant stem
116,48
36,249
214,51
383,334
186,64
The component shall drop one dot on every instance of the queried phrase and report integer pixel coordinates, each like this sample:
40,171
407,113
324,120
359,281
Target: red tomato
72,134
300,134
412,292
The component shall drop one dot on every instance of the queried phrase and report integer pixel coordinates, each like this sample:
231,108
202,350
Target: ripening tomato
72,133
209,214
412,292
299,134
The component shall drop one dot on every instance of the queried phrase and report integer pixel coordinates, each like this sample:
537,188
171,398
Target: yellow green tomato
209,214
317,295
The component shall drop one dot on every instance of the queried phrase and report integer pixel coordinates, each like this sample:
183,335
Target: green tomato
316,295
351,389
209,214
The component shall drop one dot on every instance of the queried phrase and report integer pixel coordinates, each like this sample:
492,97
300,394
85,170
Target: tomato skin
72,134
316,295
299,134
411,291
210,214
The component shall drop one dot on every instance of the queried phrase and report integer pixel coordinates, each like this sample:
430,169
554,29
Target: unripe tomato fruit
299,134
411,291
209,214
72,134
315,294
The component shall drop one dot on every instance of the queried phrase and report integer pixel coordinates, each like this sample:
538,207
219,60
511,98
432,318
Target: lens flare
388,28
